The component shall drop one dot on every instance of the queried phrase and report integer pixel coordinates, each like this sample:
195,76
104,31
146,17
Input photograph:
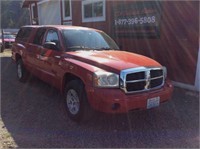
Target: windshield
88,40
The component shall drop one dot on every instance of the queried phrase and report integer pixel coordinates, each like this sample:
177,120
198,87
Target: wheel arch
17,57
69,77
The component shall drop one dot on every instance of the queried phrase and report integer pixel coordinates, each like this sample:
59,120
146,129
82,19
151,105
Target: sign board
137,19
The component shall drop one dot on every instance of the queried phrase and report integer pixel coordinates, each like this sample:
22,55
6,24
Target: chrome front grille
141,79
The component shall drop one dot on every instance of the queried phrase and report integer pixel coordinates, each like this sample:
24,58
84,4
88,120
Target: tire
76,102
22,73
2,48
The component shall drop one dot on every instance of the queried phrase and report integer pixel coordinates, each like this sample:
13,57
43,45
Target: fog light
115,106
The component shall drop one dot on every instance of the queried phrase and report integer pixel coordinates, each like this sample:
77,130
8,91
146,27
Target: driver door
50,58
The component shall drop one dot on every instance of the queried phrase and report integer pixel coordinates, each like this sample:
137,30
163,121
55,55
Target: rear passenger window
39,36
23,34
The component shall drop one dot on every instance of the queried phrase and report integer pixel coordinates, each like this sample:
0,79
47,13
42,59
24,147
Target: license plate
153,102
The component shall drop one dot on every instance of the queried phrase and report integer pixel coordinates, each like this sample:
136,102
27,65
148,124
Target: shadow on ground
35,116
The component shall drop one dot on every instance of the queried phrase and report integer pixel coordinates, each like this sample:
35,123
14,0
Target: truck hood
113,60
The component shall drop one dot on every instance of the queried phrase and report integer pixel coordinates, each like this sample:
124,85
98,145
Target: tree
13,15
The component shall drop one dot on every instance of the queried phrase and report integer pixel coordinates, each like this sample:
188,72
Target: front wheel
76,102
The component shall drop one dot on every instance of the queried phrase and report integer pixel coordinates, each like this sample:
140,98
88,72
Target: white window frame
33,21
43,1
32,13
93,19
63,11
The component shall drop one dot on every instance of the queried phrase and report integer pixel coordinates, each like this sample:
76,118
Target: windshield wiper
104,48
78,48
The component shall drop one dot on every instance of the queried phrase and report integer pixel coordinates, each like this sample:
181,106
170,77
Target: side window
23,34
39,36
20,34
52,36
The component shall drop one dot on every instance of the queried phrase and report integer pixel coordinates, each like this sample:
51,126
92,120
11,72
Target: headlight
165,72
106,79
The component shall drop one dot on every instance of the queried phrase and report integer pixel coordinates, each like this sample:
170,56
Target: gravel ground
33,115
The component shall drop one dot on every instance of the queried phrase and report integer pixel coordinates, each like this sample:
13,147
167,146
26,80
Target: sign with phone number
135,21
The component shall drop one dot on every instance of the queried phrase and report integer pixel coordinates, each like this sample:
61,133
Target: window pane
98,9
88,11
20,34
52,36
39,36
34,12
67,8
88,38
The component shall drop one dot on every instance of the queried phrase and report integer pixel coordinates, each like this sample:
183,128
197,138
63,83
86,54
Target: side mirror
51,45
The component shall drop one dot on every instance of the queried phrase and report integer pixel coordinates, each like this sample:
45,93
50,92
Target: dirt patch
6,138
6,53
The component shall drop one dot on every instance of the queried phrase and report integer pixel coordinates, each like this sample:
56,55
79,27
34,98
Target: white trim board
43,1
185,86
197,79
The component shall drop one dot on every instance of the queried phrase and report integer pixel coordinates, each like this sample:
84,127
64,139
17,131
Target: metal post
3,45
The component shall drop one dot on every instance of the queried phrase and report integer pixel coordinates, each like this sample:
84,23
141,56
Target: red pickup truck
90,70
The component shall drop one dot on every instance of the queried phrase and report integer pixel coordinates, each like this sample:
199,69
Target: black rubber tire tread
86,112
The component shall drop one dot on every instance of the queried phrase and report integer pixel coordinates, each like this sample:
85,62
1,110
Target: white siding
49,13
197,81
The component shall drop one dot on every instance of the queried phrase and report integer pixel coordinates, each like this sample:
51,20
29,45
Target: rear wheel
22,73
76,102
2,48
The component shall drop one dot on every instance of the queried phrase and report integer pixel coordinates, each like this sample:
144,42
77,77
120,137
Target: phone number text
136,21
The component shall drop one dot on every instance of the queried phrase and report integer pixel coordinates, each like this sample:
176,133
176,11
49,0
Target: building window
34,13
93,10
67,9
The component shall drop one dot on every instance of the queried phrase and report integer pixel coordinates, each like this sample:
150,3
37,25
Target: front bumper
116,101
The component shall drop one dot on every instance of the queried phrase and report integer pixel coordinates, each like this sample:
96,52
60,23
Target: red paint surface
104,99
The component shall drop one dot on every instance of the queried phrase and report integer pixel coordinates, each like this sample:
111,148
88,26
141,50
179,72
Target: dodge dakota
88,67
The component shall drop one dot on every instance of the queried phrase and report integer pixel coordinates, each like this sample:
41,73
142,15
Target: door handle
57,56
